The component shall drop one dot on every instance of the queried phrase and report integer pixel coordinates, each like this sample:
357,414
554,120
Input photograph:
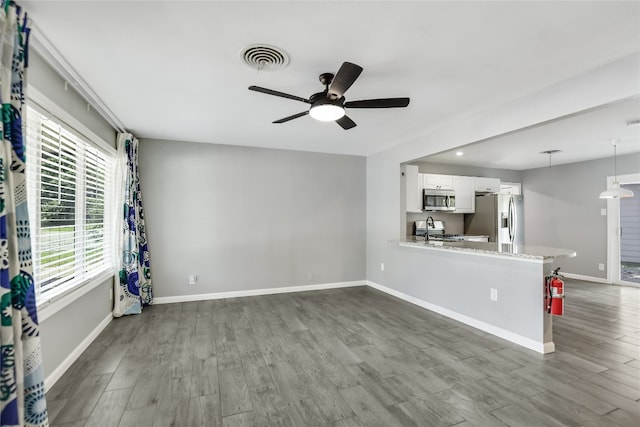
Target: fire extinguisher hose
547,283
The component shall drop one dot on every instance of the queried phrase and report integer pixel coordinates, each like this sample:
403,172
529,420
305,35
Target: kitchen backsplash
453,223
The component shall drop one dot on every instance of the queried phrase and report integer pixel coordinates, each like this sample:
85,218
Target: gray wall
246,218
65,330
461,282
562,209
62,332
630,224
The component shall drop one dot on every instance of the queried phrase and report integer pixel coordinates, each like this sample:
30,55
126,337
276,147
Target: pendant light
550,152
615,192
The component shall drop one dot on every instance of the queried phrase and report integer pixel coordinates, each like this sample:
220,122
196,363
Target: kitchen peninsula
496,288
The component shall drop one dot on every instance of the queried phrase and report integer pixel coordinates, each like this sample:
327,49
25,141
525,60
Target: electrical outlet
603,211
494,294
310,277
382,266
601,267
193,279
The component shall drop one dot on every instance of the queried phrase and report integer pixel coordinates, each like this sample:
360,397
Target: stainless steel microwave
439,200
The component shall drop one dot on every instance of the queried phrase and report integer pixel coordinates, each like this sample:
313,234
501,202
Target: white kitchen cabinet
464,186
413,188
487,185
513,188
437,182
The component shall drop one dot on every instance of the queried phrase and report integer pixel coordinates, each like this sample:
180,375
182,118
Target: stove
436,232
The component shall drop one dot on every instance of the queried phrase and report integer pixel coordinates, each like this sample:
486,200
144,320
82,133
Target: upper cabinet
413,188
437,182
487,185
514,188
464,186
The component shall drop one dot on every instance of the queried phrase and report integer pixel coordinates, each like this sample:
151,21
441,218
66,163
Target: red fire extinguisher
554,293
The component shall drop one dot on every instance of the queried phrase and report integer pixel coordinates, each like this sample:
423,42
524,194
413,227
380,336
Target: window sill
52,304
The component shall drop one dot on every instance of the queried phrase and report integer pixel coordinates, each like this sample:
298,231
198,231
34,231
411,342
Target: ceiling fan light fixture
326,112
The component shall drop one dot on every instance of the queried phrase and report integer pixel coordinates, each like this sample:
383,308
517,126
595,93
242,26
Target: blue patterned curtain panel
133,290
22,396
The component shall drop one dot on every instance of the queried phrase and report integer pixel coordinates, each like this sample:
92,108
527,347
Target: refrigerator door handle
511,220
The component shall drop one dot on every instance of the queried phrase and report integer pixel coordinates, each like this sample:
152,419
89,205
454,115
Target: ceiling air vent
263,57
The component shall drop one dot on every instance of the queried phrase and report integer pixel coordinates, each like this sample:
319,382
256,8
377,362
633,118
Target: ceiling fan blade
346,123
346,75
295,116
378,103
276,93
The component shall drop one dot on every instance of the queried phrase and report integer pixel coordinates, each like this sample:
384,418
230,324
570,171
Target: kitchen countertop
527,252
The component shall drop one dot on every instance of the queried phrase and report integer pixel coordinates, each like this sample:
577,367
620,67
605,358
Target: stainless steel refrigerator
499,216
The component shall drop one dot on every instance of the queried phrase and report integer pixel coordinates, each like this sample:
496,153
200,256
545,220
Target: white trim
51,108
51,306
613,230
529,343
256,292
625,283
586,278
73,356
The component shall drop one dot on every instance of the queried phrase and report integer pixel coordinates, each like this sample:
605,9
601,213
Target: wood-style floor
353,357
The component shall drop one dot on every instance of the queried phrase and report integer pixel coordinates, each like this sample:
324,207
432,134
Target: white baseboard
256,292
598,280
73,356
587,278
493,330
549,347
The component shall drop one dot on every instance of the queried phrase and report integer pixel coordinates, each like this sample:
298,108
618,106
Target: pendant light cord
615,163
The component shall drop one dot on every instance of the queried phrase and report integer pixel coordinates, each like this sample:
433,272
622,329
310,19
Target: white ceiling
582,136
171,69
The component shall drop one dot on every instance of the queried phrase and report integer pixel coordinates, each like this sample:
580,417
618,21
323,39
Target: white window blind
68,188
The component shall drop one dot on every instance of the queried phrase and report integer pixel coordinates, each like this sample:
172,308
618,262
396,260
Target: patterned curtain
133,290
22,398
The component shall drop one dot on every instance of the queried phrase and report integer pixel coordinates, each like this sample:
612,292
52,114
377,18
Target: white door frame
613,231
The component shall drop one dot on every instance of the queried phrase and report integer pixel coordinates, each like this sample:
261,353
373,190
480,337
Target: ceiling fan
329,105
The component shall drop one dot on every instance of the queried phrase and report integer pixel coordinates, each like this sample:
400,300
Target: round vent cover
264,57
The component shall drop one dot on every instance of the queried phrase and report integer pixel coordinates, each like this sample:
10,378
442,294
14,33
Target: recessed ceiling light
459,153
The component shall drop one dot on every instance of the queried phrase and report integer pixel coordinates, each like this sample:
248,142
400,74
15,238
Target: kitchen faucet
433,225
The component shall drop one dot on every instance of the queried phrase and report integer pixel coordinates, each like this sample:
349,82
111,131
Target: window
69,185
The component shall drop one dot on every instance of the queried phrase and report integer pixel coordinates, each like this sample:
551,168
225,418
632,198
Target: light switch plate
494,294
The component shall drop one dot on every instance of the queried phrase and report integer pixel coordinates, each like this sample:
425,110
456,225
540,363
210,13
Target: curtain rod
53,57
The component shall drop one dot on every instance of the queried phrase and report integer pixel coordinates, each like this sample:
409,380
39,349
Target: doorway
623,233
630,235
